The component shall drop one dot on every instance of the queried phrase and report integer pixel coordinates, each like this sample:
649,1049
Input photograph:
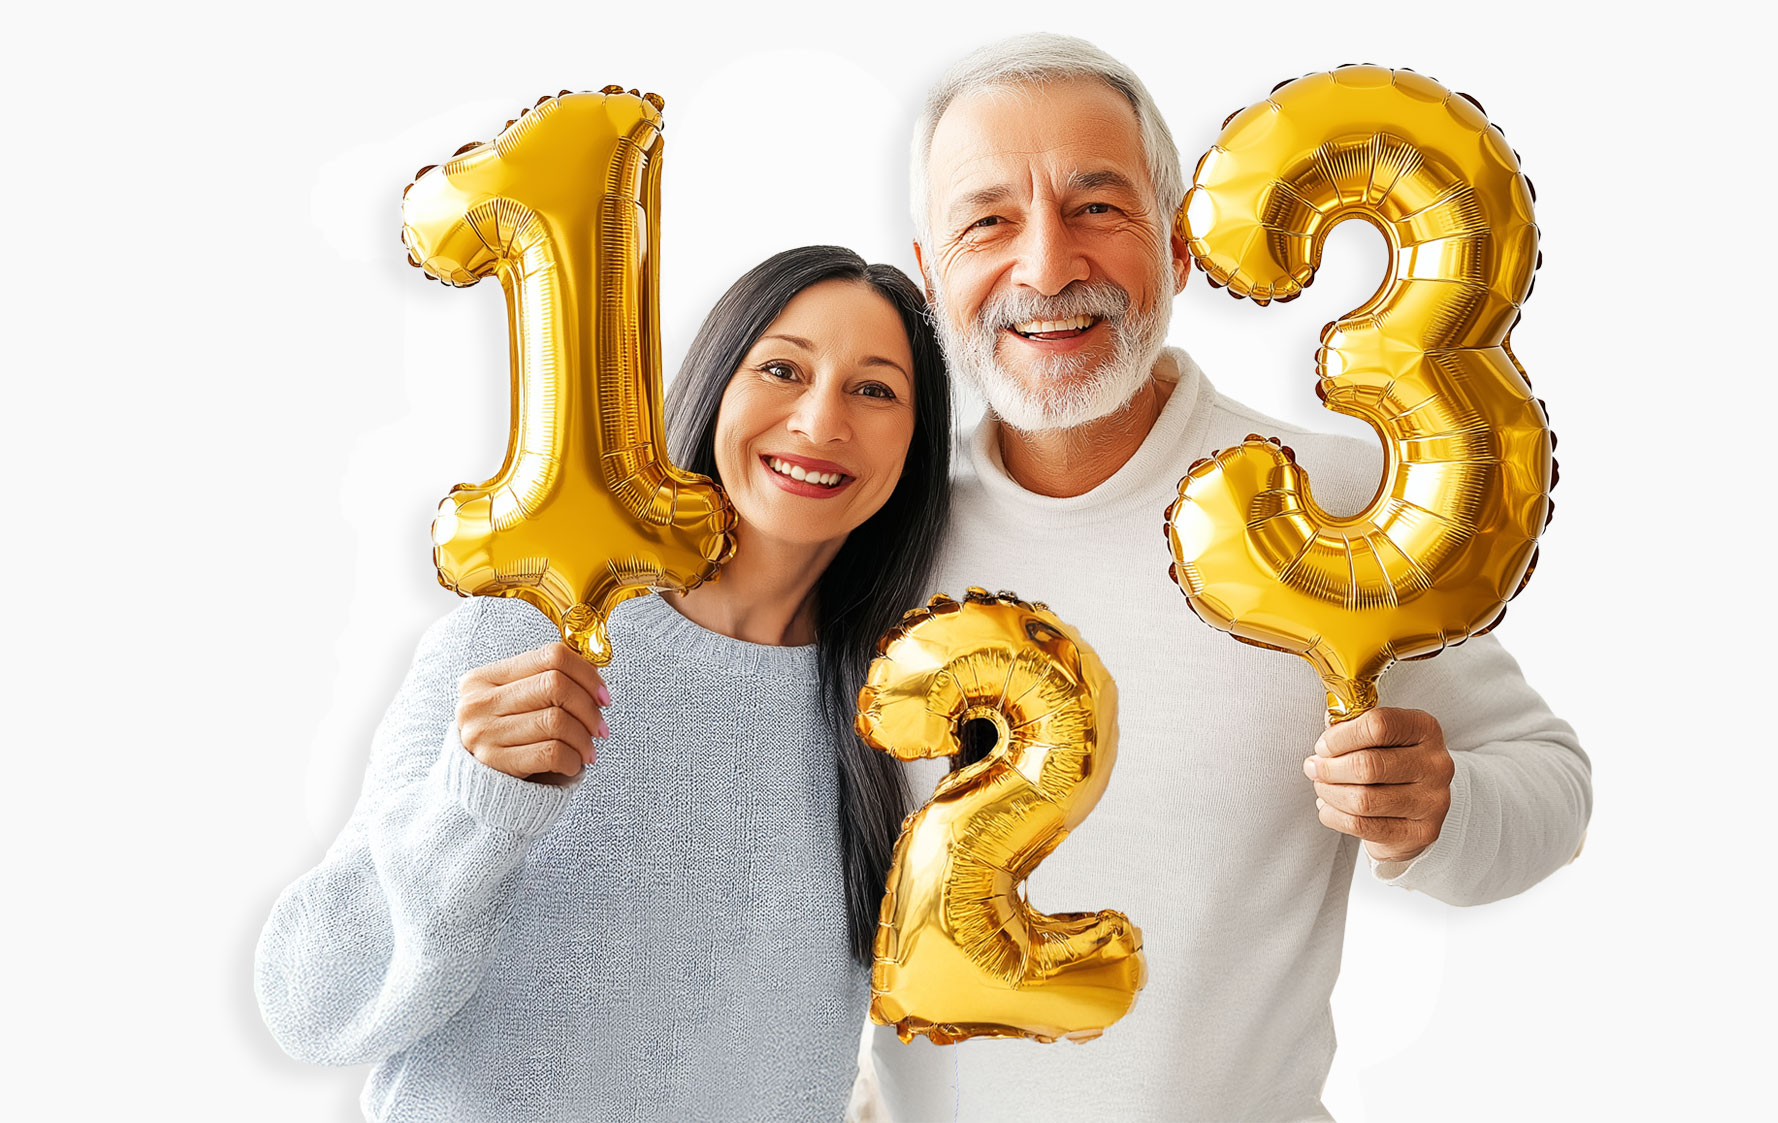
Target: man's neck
1064,462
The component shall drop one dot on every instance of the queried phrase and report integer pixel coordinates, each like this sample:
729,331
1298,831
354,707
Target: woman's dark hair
883,568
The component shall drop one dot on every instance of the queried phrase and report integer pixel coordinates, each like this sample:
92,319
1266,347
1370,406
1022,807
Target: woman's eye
779,370
877,390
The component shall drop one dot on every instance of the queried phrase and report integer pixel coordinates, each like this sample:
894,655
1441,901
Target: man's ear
925,276
1182,260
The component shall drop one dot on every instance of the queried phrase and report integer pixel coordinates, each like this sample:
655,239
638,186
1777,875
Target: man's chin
1064,406
1029,414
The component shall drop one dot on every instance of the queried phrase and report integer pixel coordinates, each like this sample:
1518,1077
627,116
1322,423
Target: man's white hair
1034,60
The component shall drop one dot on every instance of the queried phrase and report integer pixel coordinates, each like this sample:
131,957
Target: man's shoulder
1343,470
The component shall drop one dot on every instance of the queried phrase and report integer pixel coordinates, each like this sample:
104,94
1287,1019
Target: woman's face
815,423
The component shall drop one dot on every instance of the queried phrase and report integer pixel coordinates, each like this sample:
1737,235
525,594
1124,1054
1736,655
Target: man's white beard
1070,392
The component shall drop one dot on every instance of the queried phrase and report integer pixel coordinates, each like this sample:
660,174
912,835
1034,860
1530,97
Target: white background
230,408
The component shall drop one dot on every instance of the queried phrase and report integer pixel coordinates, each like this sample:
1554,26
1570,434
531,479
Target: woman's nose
820,416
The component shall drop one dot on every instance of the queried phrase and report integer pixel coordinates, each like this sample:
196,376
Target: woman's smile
800,475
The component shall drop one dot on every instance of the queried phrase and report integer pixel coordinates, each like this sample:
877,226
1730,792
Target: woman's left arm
389,936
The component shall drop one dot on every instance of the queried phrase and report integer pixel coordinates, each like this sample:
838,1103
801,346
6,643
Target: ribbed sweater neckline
677,637
1135,483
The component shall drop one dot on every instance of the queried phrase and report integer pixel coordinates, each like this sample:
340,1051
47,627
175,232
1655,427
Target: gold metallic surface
1451,534
564,207
958,951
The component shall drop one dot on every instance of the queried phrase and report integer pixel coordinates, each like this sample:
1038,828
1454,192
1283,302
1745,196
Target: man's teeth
1041,327
798,472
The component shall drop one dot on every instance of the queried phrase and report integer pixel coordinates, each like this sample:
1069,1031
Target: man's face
1051,268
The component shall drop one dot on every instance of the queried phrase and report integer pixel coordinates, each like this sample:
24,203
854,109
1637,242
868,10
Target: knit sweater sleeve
1522,793
389,936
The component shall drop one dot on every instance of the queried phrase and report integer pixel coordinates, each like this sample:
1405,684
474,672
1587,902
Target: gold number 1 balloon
564,207
958,951
1451,533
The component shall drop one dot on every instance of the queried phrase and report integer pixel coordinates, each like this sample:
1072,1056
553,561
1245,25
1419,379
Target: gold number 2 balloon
564,207
958,951
1451,534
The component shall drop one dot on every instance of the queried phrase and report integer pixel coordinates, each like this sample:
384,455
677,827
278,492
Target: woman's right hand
535,715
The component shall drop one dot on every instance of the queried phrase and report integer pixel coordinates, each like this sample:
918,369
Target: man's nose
820,416
1049,257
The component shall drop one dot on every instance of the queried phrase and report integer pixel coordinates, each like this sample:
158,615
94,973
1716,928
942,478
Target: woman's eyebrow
868,361
880,361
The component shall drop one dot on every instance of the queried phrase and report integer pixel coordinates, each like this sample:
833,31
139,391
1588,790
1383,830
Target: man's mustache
1104,299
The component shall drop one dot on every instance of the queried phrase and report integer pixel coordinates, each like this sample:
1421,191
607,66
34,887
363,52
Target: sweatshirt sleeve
1522,792
389,936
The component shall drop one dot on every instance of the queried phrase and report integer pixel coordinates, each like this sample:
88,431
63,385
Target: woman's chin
789,523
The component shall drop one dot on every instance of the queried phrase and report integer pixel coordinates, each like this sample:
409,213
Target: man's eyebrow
980,197
1093,181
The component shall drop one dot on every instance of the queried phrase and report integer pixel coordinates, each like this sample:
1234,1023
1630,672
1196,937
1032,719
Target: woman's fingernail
602,695
603,730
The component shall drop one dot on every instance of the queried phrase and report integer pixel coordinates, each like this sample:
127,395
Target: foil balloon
564,207
958,952
1451,533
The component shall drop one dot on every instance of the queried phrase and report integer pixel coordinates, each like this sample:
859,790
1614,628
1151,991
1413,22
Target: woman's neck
765,594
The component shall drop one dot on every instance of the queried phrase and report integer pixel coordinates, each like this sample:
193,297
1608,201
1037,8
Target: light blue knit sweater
664,939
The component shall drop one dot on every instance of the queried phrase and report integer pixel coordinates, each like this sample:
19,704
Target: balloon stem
1347,698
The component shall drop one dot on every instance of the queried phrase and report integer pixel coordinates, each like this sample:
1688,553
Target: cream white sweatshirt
1208,836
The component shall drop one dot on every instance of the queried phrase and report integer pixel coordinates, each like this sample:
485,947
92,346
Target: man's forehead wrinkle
1029,164
1007,142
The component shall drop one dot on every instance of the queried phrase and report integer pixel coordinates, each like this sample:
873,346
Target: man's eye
1098,208
991,220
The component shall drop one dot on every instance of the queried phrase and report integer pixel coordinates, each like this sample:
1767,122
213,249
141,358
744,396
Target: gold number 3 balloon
564,207
958,951
1451,533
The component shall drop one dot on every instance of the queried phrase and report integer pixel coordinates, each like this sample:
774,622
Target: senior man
1045,185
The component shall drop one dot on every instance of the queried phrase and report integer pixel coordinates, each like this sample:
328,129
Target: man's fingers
1366,766
1382,727
1386,831
1376,801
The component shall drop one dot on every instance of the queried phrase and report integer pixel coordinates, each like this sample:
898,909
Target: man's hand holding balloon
1385,777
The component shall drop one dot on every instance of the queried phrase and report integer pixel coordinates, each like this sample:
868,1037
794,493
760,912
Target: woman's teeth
798,472
1046,327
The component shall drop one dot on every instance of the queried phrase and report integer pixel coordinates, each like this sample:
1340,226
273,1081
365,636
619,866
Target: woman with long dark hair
677,924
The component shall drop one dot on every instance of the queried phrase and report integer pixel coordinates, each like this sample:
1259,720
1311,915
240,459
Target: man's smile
1046,330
